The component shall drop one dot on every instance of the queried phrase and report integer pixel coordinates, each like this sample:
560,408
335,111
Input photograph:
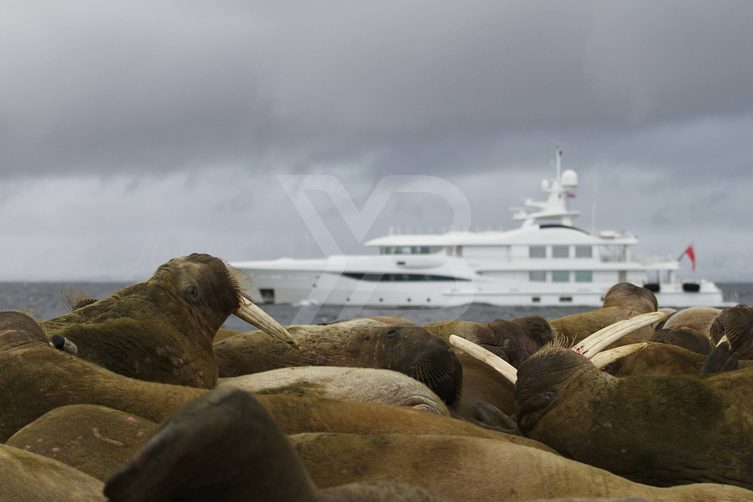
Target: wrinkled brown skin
657,359
698,319
480,469
661,430
26,476
622,301
686,338
359,343
660,359
93,439
70,428
262,466
512,340
368,385
160,330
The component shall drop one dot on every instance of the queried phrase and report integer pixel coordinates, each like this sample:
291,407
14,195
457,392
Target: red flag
691,254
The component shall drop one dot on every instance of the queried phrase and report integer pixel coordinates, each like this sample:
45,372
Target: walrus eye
192,292
391,333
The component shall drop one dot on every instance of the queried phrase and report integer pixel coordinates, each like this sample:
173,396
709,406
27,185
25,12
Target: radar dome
569,179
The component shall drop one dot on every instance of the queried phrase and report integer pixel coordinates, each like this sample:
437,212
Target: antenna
593,201
559,161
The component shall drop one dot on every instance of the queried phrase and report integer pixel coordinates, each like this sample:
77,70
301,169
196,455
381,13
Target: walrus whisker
504,368
597,341
257,317
240,281
75,299
603,359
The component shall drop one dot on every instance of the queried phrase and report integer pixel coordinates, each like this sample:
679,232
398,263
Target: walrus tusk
602,359
256,316
62,343
597,341
506,369
722,340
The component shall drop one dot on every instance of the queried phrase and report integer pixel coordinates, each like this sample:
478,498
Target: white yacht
546,261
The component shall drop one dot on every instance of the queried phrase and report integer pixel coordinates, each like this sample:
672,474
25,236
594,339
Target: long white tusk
602,359
506,369
256,316
722,340
597,341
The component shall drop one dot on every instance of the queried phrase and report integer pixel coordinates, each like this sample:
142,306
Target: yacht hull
325,287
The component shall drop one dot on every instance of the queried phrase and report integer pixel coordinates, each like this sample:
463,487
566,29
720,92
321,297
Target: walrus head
732,331
542,379
222,444
19,330
631,297
517,339
417,353
162,329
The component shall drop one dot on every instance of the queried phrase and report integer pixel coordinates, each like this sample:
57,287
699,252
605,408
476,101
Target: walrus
367,385
411,350
196,455
476,469
623,300
162,329
660,430
26,476
93,439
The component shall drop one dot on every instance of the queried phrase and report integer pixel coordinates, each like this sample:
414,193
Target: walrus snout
440,370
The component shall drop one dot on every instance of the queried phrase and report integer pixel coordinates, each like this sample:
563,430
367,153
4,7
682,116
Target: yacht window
583,251
537,276
583,276
426,249
405,250
537,252
361,276
561,276
560,251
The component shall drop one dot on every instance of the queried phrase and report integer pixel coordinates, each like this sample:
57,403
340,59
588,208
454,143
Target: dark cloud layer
92,86
177,117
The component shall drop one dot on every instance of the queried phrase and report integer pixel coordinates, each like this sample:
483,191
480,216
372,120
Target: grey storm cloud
99,87
165,124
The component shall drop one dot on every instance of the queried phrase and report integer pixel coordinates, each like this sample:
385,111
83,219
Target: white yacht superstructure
546,261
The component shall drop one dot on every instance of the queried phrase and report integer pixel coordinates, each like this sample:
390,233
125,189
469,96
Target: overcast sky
133,132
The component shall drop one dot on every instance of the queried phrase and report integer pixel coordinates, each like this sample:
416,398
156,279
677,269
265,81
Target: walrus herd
136,397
